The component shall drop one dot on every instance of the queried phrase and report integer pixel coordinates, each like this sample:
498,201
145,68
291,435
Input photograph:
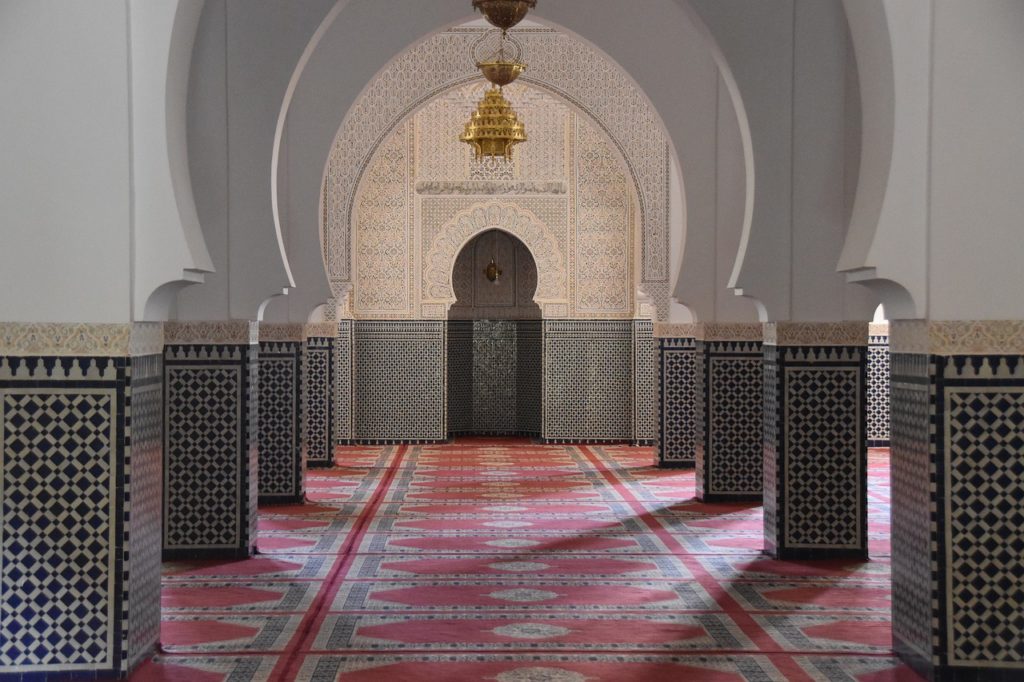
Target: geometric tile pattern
677,429
588,382
529,376
878,391
399,381
144,472
730,438
958,529
281,465
817,459
79,529
209,453
318,401
644,383
460,376
985,523
485,367
914,519
60,449
344,371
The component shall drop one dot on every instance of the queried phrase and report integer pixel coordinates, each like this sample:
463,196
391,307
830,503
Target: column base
207,554
678,464
271,500
814,554
716,498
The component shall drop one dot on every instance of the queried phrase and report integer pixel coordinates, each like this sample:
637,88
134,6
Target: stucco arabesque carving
520,223
440,63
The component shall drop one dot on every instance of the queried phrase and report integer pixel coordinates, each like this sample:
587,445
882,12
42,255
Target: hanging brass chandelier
494,128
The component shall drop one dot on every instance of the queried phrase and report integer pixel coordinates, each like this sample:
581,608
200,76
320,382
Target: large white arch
364,36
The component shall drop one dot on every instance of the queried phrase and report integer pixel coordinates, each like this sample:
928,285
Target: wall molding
816,333
957,337
81,339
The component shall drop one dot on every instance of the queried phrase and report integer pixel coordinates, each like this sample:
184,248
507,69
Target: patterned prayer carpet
506,561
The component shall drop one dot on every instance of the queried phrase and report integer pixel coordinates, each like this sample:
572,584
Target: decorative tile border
816,333
665,330
489,187
281,331
321,330
210,333
958,337
22,339
729,331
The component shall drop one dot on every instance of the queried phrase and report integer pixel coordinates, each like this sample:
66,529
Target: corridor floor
506,561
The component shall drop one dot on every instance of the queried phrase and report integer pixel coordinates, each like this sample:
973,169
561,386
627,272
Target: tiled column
815,447
210,452
878,385
676,443
729,381
644,386
80,424
957,491
318,394
282,469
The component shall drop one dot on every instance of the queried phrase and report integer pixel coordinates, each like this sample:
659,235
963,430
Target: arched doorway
494,340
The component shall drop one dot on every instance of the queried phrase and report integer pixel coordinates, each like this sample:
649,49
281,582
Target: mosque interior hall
512,340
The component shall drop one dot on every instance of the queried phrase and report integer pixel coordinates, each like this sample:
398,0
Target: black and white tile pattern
318,401
730,403
815,452
281,467
210,449
878,391
677,428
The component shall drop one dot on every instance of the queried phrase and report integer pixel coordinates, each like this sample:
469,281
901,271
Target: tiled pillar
815,446
729,381
878,385
80,424
210,452
644,386
318,394
957,491
282,468
676,443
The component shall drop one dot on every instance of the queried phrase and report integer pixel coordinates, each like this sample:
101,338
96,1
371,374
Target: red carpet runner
506,561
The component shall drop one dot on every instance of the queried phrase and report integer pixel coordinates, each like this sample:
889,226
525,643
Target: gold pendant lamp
494,128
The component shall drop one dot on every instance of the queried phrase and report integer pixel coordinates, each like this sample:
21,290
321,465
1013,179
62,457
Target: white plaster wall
976,237
65,167
239,79
169,248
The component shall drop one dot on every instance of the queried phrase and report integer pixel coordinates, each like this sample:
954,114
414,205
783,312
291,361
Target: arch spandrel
552,280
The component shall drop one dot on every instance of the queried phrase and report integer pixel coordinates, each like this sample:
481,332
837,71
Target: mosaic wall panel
815,451
878,391
730,457
281,468
914,528
644,383
460,376
318,401
210,449
677,428
399,381
588,382
529,376
344,372
494,377
144,473
68,470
